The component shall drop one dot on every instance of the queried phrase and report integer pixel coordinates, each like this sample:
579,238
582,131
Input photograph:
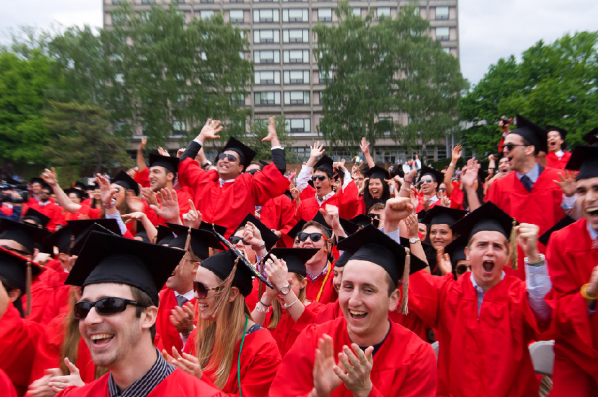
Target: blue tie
527,183
181,300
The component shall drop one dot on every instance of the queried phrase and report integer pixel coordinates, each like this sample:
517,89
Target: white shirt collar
593,233
222,181
533,174
560,154
477,287
326,197
189,295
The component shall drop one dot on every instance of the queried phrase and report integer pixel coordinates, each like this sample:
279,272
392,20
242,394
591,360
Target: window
181,100
266,56
237,99
386,124
266,36
115,2
356,11
207,1
296,98
325,14
148,1
236,15
417,11
295,15
204,56
242,54
295,36
442,13
442,33
294,0
267,77
178,1
206,14
265,1
383,12
447,50
178,127
296,77
267,98
237,1
265,16
296,56
325,76
298,125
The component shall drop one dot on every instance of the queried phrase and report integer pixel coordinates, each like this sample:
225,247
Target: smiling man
572,256
120,280
362,353
429,181
486,319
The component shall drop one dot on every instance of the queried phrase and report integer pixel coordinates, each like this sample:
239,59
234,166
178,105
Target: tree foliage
554,84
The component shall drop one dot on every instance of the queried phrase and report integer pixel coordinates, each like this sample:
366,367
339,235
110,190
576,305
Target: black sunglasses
253,172
315,237
462,269
442,189
202,291
510,146
427,180
104,306
230,157
320,178
235,240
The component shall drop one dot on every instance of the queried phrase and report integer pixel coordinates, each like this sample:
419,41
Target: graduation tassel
189,255
405,280
29,281
513,246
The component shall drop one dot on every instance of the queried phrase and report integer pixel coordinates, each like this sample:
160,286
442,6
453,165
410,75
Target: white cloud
490,29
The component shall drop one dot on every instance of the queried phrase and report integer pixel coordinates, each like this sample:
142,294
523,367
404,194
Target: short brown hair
377,207
322,228
144,301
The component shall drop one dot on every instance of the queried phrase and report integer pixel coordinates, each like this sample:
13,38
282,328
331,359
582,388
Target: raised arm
49,176
278,157
189,170
365,148
469,178
405,190
140,159
448,176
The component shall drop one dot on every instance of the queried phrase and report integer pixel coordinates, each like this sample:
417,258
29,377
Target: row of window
273,98
292,125
290,77
288,36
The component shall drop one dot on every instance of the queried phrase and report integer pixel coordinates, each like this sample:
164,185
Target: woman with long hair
376,189
228,349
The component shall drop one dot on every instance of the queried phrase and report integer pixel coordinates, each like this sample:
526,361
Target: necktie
595,244
527,183
181,300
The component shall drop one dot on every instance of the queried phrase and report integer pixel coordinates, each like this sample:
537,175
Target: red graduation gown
553,161
403,366
420,205
41,294
178,383
347,203
279,214
229,205
260,360
142,177
84,210
6,386
286,332
18,338
52,211
571,259
456,196
184,207
57,305
322,288
166,334
308,192
48,352
485,355
541,207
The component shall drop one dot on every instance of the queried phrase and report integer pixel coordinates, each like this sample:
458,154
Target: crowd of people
183,277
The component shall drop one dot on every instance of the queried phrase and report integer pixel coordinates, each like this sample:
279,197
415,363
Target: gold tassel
29,281
406,270
513,246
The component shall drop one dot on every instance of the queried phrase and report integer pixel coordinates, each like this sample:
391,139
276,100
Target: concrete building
287,80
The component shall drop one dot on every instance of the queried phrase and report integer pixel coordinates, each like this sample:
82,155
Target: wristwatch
414,240
285,289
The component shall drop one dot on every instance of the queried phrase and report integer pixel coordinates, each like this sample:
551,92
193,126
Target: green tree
83,139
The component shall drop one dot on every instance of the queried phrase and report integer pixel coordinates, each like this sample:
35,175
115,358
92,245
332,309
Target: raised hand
325,378
133,202
58,383
182,318
210,130
149,196
414,199
137,216
363,186
163,152
445,202
567,183
131,172
469,176
186,362
272,134
107,194
456,153
356,368
364,146
316,150
331,215
142,144
193,217
180,152
50,177
444,261
277,272
527,238
412,223
170,206
398,208
252,235
41,387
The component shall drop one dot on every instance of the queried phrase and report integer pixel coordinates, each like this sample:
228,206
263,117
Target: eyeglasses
442,189
315,237
510,146
461,269
230,157
318,178
104,306
427,180
252,172
45,192
201,290
235,240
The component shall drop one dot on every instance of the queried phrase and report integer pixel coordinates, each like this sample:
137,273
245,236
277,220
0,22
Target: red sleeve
308,192
142,177
348,201
268,184
190,173
287,216
422,379
425,296
47,354
493,194
456,197
6,385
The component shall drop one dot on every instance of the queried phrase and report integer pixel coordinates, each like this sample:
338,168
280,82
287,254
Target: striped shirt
144,385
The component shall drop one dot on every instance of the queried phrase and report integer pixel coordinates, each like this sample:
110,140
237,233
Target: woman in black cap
376,189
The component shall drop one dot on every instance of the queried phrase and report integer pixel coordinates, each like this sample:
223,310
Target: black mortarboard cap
378,173
23,233
584,159
566,221
561,131
592,137
82,194
343,259
320,219
296,229
486,217
123,179
82,238
37,180
112,259
398,170
62,238
37,217
437,175
211,227
246,154
263,163
348,226
165,235
456,250
267,235
141,232
83,227
361,220
201,240
421,216
81,185
13,268
295,258
440,215
169,163
533,133
325,163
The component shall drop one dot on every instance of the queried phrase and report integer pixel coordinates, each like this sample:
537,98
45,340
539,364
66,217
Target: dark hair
325,170
369,200
391,284
377,207
145,301
322,228
527,143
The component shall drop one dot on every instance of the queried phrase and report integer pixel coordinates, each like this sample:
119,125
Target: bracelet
452,165
262,308
108,206
296,300
540,262
584,293
406,181
265,304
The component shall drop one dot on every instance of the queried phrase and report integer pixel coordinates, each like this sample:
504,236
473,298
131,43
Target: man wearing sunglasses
529,194
48,207
120,279
225,195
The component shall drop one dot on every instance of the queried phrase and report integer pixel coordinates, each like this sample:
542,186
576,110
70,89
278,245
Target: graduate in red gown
225,195
77,196
528,194
362,353
485,320
120,280
429,182
556,157
227,349
48,208
572,257
376,189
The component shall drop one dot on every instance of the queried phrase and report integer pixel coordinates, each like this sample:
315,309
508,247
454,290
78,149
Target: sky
488,29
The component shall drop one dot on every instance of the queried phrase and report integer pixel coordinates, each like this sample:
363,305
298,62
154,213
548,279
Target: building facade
287,80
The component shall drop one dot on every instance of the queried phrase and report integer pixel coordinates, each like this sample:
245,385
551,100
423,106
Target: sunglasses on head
104,306
229,157
510,146
315,237
201,290
235,240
